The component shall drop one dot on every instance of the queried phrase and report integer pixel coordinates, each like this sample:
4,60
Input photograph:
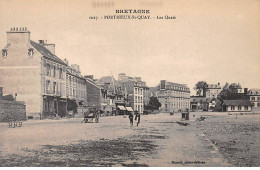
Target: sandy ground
236,136
158,141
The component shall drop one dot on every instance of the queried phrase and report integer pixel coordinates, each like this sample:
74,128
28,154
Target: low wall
12,111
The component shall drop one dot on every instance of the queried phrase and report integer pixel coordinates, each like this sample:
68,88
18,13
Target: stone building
76,89
93,93
173,97
134,90
254,97
35,73
236,106
111,95
213,90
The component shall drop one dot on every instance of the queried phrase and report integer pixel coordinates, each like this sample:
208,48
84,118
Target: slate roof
106,79
254,92
46,53
237,103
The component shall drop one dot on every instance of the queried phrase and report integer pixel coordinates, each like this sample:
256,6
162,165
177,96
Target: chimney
245,91
75,67
162,85
50,47
18,35
66,61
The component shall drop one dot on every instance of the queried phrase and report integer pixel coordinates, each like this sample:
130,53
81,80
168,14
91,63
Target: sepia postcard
129,83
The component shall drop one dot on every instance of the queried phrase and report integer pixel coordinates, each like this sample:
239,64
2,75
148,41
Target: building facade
76,89
213,90
173,97
34,73
134,90
236,106
254,97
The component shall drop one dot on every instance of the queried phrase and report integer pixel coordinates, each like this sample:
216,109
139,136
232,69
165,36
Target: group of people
137,118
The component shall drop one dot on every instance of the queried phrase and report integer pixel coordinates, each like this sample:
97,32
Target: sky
210,40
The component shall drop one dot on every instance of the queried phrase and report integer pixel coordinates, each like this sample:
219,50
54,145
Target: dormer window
4,53
30,52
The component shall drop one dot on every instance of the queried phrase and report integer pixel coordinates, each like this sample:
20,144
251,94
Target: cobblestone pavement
158,141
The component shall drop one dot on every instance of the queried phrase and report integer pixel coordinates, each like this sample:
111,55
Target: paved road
158,141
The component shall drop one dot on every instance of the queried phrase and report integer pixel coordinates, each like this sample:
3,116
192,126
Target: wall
93,95
236,109
12,111
21,74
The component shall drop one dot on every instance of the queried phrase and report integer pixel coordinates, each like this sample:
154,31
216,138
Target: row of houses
248,100
48,85
52,87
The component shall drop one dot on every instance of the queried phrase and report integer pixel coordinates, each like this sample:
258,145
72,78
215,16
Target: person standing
138,118
131,118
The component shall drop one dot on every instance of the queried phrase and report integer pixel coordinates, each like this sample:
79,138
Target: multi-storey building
254,97
138,97
173,97
213,90
134,90
34,73
76,88
94,95
109,94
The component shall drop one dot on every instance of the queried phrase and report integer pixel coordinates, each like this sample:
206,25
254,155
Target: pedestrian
97,116
131,118
137,118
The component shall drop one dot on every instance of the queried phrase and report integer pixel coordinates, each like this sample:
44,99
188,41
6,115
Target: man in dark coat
131,118
137,117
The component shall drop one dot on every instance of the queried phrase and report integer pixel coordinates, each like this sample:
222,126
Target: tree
154,104
226,86
201,87
228,94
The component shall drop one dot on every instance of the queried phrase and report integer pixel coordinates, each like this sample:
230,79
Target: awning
129,109
121,107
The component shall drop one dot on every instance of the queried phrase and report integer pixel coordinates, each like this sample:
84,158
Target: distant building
213,90
199,103
236,106
134,91
237,87
35,73
76,89
254,97
110,98
173,97
93,93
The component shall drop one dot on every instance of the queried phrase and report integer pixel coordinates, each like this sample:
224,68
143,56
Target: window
30,52
48,73
232,107
54,87
54,71
60,73
246,107
135,90
258,98
61,89
253,98
4,53
258,104
48,86
239,107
